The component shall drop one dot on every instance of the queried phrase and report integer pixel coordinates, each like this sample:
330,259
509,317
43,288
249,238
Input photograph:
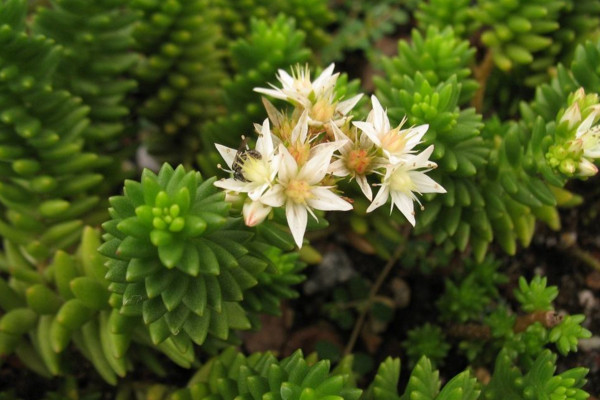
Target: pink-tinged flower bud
255,212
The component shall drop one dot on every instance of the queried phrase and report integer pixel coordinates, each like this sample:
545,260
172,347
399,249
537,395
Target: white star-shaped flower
298,88
588,135
317,97
403,180
357,160
395,143
299,189
256,170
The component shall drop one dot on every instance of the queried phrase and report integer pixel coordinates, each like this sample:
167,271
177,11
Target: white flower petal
341,137
415,135
232,184
288,167
264,144
274,197
317,165
369,130
324,199
286,79
338,168
276,93
381,122
364,186
380,199
275,115
345,106
585,125
227,153
405,205
300,131
424,183
257,191
421,160
296,215
275,162
324,80
592,152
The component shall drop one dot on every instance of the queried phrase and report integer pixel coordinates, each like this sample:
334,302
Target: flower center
322,110
393,141
298,191
358,160
256,170
303,85
300,152
400,181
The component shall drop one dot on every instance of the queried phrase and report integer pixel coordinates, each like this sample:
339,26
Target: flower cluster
574,155
300,156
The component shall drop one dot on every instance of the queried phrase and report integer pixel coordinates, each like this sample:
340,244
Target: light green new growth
535,296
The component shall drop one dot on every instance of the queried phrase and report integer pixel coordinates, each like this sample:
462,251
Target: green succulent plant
540,380
426,340
474,312
509,195
185,267
424,382
84,85
45,319
179,72
49,182
97,55
312,17
437,54
177,260
231,375
360,25
519,29
444,13
535,296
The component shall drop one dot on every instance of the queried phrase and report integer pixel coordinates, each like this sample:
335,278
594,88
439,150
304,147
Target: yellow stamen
393,141
298,191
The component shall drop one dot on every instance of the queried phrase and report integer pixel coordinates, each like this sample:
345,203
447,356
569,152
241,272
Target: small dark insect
240,157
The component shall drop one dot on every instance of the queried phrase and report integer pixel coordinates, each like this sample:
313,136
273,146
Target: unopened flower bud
586,168
255,212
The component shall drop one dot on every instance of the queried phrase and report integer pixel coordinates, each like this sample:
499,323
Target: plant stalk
481,73
372,296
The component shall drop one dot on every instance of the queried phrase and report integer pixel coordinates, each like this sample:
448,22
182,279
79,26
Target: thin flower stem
372,296
585,257
482,73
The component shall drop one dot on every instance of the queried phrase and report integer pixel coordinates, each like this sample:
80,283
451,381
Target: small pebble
589,344
587,299
335,268
568,239
145,160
